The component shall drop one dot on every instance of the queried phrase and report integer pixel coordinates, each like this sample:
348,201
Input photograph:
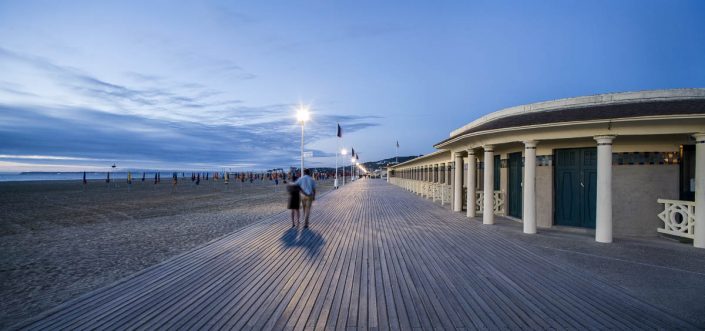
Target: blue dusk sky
215,84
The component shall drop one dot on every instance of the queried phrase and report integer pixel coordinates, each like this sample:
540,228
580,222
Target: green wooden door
687,173
515,185
575,183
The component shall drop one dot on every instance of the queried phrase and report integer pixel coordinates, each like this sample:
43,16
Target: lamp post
343,152
302,115
352,171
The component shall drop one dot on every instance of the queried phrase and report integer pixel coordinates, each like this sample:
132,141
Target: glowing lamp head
302,115
352,160
344,151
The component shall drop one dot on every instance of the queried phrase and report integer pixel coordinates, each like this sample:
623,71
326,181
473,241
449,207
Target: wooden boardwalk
376,257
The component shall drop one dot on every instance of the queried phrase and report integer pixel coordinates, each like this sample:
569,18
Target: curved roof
604,106
421,158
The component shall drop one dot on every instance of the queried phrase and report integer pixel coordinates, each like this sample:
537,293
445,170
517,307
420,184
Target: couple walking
303,190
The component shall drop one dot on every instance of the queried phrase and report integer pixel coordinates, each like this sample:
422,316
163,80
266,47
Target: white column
603,221
472,178
699,190
529,203
488,208
458,183
441,179
424,177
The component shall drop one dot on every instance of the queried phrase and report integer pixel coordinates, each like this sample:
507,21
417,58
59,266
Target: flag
198,179
397,143
129,177
353,152
84,178
357,157
107,180
155,178
340,131
144,175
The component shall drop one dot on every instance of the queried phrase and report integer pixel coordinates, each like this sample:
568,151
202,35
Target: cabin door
687,173
575,187
515,185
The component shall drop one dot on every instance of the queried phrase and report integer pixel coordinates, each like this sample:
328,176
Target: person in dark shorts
294,203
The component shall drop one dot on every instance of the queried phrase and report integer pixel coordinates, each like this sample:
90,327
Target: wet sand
59,241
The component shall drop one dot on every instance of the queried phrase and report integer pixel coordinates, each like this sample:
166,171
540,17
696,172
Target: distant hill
384,163
372,165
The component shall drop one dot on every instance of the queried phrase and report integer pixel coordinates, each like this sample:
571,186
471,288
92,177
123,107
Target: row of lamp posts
303,115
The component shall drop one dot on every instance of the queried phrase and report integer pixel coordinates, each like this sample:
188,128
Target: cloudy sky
212,85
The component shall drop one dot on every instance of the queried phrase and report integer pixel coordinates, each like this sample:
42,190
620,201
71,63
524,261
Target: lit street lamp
302,115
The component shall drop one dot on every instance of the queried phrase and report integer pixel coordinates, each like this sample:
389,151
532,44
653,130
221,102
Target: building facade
623,164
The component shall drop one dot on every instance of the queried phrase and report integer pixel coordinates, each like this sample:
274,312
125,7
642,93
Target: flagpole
337,149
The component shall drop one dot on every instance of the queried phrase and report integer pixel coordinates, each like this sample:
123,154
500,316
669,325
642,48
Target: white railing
444,193
678,218
433,191
497,202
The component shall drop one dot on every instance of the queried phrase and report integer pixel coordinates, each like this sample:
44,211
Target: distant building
623,164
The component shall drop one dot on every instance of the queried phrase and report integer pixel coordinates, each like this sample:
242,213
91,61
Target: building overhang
422,160
604,113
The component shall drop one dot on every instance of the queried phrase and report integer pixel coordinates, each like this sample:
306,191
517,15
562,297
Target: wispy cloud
108,122
154,102
46,157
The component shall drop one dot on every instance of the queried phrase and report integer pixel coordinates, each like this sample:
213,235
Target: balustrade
497,202
678,218
444,193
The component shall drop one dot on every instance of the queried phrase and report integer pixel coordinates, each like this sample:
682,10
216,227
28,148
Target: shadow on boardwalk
389,260
306,239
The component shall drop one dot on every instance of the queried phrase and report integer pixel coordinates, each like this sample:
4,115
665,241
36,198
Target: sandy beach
59,240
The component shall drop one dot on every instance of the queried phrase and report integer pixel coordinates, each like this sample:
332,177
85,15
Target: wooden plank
377,257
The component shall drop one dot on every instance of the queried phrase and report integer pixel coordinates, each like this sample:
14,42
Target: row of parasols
226,177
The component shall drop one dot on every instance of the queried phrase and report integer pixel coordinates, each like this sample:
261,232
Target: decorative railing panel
497,202
678,218
444,193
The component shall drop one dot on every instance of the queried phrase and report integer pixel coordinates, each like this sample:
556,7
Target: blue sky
213,85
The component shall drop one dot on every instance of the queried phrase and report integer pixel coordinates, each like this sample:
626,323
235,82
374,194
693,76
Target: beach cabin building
619,164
